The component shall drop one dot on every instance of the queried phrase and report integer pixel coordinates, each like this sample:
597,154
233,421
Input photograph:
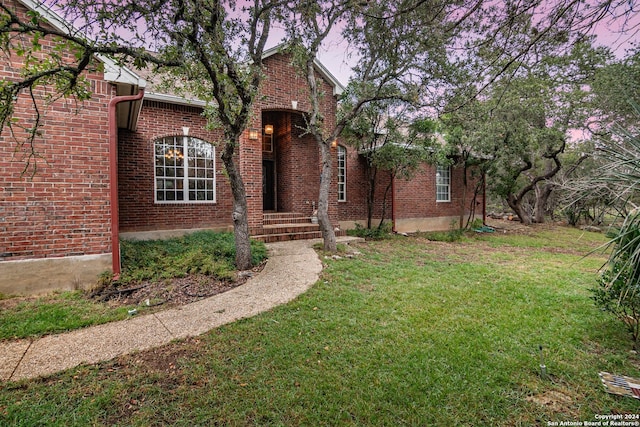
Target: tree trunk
326,227
371,194
516,205
384,201
239,215
463,201
542,198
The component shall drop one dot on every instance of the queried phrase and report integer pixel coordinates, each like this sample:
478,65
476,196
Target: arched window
185,170
342,174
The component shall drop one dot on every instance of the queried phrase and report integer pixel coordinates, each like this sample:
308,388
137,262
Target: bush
202,252
444,236
377,233
618,289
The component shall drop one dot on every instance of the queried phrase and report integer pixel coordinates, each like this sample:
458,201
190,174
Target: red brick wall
298,155
299,177
63,209
355,207
136,158
416,198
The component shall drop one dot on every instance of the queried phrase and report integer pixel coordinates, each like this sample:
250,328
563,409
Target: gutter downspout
484,198
113,178
393,204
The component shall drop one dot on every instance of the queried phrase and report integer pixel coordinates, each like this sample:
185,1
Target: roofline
338,88
174,99
113,72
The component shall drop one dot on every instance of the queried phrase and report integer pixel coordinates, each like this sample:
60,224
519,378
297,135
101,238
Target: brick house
127,164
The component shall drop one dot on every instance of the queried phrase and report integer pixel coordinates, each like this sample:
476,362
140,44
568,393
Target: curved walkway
293,267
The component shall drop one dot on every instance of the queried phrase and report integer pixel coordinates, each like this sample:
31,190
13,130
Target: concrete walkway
293,267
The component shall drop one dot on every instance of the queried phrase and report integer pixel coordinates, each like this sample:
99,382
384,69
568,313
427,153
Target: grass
411,332
53,314
203,252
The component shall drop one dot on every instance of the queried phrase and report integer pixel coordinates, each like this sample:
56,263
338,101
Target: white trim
448,184
115,73
344,168
185,177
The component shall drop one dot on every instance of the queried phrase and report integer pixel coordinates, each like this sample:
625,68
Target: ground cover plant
409,332
156,274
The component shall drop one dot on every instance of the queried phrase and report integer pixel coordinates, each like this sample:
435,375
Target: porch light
294,105
185,131
253,134
268,129
334,143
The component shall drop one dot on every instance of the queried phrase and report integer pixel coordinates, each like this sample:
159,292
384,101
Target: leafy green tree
402,52
614,85
522,124
394,143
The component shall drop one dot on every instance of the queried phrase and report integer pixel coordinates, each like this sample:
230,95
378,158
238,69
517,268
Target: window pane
342,175
190,163
443,184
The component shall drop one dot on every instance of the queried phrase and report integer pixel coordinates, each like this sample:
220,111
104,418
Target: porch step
271,238
286,218
280,227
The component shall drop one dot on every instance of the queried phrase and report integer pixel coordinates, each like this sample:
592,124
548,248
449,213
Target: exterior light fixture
268,129
253,134
294,105
185,131
334,143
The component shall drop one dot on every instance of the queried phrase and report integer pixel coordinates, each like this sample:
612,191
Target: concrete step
283,237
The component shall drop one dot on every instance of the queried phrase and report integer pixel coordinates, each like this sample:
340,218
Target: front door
268,185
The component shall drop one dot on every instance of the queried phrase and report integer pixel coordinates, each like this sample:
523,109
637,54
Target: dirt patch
158,294
555,401
516,227
171,292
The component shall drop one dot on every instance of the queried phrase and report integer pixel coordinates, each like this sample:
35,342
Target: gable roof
338,88
112,71
126,81
124,77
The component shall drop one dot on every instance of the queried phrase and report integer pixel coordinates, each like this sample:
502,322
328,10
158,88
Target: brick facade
411,203
136,158
63,211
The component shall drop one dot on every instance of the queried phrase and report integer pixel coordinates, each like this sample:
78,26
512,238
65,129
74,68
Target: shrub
202,252
377,233
618,290
444,236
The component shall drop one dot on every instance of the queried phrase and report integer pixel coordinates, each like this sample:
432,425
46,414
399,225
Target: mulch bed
170,292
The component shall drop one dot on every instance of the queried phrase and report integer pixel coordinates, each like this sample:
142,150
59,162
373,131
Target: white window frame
342,173
443,184
189,169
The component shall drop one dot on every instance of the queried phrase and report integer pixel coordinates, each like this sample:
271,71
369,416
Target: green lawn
411,332
203,252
